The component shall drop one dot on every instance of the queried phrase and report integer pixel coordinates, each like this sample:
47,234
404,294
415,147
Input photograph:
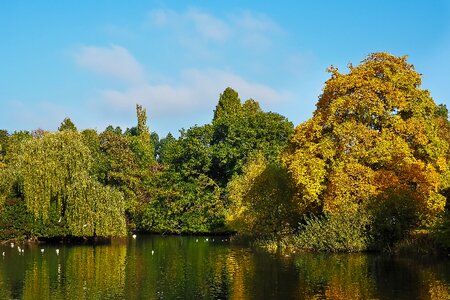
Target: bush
342,232
441,232
393,219
16,222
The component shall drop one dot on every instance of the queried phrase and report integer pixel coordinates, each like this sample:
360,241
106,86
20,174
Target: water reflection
153,267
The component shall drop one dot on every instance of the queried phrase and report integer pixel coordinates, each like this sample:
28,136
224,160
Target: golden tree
374,133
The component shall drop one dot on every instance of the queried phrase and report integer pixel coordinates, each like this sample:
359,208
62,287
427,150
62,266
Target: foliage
53,171
179,205
142,144
67,124
346,231
167,149
261,200
441,231
240,130
393,219
374,131
15,220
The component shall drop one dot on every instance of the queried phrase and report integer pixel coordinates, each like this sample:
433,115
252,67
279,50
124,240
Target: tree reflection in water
174,267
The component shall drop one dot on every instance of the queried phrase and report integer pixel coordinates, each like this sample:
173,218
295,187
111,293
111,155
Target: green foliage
142,143
342,232
229,104
167,149
240,130
441,231
191,154
67,124
15,220
4,137
393,219
180,205
53,173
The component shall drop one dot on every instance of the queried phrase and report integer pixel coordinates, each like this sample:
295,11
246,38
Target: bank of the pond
416,243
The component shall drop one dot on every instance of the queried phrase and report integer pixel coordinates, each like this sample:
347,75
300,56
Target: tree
142,142
262,200
374,135
4,137
67,124
240,130
53,172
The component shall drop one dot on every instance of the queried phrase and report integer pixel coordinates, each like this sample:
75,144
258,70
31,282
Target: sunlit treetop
374,130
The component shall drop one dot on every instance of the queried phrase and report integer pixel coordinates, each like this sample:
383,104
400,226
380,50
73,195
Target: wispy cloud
114,61
209,53
30,116
194,90
246,28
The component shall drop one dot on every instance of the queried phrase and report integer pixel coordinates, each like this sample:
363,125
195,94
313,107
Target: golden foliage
374,130
261,199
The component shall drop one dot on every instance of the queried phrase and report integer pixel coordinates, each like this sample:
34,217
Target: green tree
67,124
240,130
167,149
4,137
53,174
142,143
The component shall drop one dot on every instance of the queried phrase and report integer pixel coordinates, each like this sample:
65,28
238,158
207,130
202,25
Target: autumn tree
375,135
262,200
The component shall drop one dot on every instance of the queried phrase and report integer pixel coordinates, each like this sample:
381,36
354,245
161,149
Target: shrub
341,232
393,219
441,231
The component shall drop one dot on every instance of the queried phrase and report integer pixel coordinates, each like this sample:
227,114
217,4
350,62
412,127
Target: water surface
181,267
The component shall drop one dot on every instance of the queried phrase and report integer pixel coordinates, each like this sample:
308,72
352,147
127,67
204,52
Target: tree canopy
374,133
53,174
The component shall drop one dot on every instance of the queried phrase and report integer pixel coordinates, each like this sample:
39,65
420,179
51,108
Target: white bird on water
3,253
12,245
134,236
57,251
153,252
42,250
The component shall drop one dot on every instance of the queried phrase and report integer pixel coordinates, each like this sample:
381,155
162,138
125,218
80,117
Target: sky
93,61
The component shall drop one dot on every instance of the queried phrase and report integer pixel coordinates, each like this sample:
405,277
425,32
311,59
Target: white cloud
254,22
195,90
161,17
32,115
114,61
249,29
191,22
208,26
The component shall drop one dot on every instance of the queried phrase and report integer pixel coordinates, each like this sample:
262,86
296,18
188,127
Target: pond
183,267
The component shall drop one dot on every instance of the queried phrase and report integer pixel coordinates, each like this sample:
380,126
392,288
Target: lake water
181,267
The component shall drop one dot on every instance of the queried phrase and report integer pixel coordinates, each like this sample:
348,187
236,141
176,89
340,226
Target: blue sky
93,61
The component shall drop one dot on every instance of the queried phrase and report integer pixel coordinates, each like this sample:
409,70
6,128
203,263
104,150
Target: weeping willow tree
53,174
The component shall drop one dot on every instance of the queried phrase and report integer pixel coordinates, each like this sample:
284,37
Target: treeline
85,183
369,170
